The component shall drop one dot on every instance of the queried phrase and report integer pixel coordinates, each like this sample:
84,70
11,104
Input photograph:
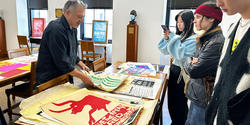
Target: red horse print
96,103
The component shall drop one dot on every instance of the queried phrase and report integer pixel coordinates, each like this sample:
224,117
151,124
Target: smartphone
164,27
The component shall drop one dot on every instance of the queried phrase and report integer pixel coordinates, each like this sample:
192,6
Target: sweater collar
207,35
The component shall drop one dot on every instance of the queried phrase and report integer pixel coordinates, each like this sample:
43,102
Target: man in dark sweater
231,98
58,49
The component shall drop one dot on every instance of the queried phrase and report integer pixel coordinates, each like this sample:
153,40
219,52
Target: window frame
110,24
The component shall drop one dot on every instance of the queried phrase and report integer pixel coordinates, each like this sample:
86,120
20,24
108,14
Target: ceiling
94,4
186,4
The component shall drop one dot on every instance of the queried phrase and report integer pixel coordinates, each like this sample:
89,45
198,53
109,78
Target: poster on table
86,108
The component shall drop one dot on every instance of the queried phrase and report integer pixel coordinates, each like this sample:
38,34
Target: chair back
86,47
32,78
18,52
23,41
53,82
99,65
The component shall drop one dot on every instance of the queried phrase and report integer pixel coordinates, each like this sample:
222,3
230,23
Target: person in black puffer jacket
202,69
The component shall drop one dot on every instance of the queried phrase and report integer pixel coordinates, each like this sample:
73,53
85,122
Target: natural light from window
97,14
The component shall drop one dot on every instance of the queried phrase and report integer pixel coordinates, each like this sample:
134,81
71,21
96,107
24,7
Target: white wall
149,18
8,10
52,5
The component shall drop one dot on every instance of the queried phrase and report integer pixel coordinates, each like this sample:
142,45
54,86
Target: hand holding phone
166,31
165,28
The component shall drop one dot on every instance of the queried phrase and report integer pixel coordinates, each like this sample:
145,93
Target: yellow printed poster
25,67
88,108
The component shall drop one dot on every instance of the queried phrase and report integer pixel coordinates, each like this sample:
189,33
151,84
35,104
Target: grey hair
70,4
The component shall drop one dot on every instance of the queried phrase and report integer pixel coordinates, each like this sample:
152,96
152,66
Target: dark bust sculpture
132,17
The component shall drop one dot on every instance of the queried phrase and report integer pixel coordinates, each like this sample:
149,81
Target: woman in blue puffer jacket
180,46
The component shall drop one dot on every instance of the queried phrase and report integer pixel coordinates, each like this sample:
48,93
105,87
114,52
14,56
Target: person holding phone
179,45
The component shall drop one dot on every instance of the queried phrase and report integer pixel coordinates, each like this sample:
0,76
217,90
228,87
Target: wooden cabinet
3,50
132,42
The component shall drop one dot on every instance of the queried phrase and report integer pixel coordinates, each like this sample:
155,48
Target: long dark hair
216,22
187,17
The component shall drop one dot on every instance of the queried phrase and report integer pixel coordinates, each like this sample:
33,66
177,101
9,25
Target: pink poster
11,67
38,27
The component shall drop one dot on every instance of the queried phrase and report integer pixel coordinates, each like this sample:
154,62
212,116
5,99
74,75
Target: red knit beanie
209,11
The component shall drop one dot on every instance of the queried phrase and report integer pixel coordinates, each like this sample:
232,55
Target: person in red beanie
203,65
231,97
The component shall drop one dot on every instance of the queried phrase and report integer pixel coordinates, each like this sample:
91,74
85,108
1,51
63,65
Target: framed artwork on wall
100,31
38,27
58,13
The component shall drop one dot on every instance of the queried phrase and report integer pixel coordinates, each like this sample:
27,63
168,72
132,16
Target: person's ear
67,12
211,20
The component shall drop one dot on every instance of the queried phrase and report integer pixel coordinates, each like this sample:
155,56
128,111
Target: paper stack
84,107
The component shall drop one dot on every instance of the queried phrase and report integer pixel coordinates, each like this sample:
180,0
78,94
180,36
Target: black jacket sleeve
208,60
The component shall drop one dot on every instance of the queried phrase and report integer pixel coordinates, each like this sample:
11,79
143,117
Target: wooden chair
23,41
88,51
18,52
56,81
99,65
28,89
23,90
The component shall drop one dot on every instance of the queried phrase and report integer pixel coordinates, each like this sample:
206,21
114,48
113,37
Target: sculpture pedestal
132,42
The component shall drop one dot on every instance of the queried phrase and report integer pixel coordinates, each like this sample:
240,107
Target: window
172,22
39,14
97,14
22,20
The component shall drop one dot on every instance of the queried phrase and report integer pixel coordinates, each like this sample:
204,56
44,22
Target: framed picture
100,31
59,13
38,26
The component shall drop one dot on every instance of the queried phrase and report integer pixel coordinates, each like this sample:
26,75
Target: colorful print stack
108,82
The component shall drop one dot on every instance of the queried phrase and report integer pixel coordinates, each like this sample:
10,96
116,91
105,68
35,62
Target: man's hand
83,66
83,76
86,79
